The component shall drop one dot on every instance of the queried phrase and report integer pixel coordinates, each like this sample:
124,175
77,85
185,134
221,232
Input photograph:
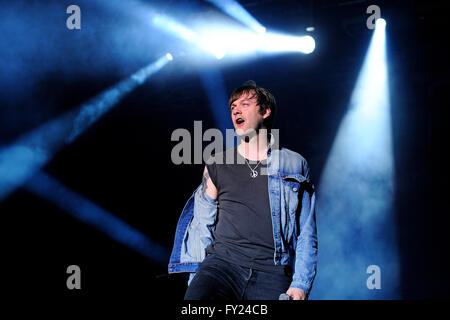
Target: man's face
245,114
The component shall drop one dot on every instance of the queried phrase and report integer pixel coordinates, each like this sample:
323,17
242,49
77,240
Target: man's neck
254,148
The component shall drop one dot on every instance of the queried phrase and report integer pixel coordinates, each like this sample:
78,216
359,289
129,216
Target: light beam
34,149
356,222
237,11
221,40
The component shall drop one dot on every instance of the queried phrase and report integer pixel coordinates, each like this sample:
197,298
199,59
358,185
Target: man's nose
236,111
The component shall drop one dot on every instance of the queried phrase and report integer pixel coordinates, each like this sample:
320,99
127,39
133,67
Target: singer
249,230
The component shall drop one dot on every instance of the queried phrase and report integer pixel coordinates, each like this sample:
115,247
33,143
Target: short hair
264,98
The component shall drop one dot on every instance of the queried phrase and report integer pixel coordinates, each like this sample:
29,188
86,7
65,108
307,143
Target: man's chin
242,133
239,132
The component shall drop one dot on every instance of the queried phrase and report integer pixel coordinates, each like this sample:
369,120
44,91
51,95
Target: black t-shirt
244,232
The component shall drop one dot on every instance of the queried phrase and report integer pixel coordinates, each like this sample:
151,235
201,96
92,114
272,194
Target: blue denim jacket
292,204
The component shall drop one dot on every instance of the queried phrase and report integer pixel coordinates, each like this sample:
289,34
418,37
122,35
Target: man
249,231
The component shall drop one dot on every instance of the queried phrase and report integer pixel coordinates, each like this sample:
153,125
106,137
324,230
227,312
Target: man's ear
267,113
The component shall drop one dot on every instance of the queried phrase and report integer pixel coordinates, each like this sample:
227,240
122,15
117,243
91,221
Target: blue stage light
34,149
271,42
356,222
221,40
380,23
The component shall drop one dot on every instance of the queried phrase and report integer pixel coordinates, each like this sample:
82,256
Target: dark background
123,162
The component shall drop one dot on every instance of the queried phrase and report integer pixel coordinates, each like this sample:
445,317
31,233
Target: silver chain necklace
253,172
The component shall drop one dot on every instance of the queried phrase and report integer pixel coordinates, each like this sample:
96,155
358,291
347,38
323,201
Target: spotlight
380,23
306,44
310,29
357,189
280,43
220,40
169,56
261,30
220,55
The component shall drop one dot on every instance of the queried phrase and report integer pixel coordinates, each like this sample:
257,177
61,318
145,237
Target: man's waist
233,255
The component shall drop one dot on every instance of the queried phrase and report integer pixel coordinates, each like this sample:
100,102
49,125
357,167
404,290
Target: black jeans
217,279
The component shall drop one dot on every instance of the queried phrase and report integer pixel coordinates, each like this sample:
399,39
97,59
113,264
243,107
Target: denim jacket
292,205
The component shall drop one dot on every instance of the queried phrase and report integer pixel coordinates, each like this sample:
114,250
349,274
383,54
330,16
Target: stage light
220,40
271,42
310,29
220,55
169,56
214,47
261,30
380,23
238,41
234,9
356,222
306,44
34,149
88,212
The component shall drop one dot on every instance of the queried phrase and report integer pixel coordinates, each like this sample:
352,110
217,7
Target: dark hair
264,98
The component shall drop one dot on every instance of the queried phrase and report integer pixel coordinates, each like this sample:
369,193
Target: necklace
253,173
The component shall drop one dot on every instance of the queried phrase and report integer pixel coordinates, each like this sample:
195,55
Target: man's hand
296,293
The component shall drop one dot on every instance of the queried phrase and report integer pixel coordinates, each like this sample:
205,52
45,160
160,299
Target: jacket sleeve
203,223
306,245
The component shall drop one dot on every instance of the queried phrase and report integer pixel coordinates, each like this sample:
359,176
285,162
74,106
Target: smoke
40,56
356,217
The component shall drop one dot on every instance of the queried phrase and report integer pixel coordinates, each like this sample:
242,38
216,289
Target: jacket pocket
290,189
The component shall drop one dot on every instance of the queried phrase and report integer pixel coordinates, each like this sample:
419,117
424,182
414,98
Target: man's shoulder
221,157
293,156
291,162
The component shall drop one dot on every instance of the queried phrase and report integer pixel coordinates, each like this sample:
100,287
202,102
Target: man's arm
208,186
209,190
306,249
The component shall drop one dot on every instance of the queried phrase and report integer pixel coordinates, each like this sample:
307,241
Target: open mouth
239,121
